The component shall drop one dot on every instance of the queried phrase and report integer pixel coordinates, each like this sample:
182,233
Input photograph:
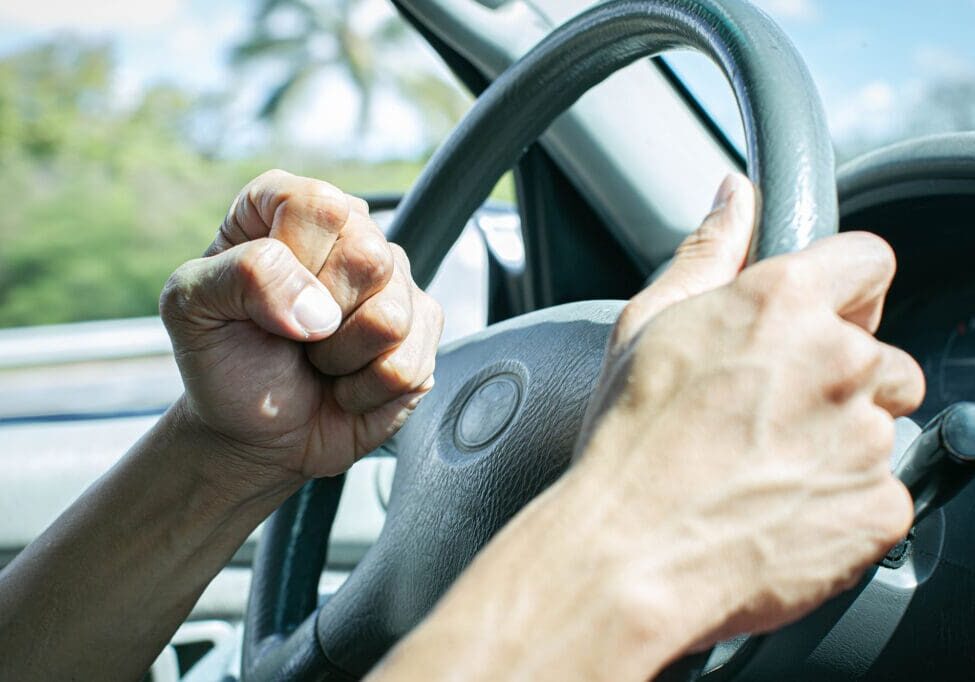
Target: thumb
708,258
260,280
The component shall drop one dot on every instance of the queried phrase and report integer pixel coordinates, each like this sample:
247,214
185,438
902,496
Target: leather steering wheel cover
790,154
790,159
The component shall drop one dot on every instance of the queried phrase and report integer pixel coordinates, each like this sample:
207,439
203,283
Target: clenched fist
301,338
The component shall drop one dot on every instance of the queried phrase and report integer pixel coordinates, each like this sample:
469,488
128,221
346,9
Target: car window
885,71
127,128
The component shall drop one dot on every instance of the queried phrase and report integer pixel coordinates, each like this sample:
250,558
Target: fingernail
725,190
741,197
316,311
733,189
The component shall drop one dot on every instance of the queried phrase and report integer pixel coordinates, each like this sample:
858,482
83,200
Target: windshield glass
885,71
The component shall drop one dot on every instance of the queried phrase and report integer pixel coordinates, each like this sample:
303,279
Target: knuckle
856,353
369,260
914,382
399,255
876,432
396,374
879,250
628,323
358,203
852,361
759,287
312,203
175,294
271,176
262,260
389,322
786,278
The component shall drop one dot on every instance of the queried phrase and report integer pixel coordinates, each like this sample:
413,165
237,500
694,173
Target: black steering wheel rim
790,158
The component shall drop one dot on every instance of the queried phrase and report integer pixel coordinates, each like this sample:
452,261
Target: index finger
852,272
306,214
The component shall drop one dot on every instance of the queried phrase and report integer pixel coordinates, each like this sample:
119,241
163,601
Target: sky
869,58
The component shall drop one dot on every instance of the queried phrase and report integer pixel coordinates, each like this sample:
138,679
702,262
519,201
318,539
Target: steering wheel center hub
487,412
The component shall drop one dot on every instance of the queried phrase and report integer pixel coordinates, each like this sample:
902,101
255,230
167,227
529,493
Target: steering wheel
482,443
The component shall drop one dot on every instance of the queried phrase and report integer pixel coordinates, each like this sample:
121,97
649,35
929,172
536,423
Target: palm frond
274,103
259,46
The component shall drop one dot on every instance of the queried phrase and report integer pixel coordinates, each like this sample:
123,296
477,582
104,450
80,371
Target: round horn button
487,411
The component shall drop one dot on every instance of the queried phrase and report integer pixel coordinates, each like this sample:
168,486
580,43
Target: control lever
941,460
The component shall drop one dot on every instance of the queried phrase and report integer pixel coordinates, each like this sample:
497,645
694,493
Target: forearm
559,595
104,588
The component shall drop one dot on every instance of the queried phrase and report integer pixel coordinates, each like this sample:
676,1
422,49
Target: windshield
886,71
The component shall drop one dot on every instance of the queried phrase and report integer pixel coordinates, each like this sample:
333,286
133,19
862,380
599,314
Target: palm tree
313,36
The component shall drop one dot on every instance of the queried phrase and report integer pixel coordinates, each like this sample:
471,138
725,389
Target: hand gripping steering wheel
501,423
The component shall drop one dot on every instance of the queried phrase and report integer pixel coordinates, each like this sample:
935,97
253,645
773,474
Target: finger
383,422
358,204
260,280
708,258
851,272
379,325
360,264
900,385
404,370
896,509
306,214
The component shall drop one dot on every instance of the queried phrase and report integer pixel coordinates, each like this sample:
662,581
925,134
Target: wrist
666,577
231,473
225,474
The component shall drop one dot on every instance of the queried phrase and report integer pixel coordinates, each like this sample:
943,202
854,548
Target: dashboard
915,622
930,311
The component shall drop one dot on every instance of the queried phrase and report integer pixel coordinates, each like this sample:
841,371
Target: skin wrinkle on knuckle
266,272
397,373
390,321
294,211
264,196
368,260
260,259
